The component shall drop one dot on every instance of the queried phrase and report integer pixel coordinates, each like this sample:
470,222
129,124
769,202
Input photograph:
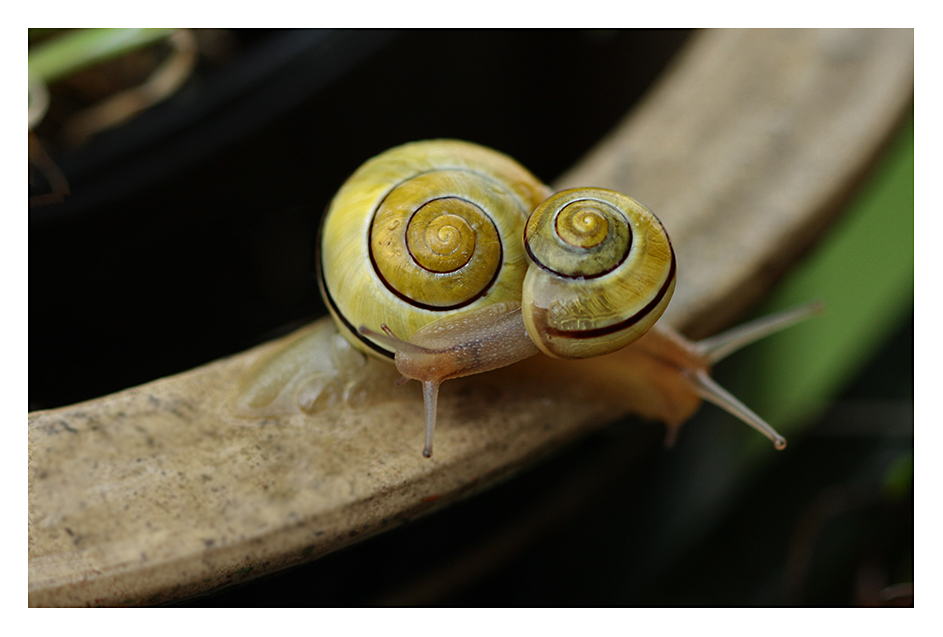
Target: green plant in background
74,50
720,481
825,507
864,273
58,54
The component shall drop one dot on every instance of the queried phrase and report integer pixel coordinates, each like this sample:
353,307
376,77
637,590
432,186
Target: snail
451,259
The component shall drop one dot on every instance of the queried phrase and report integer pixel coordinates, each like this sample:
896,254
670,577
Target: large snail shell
603,272
421,230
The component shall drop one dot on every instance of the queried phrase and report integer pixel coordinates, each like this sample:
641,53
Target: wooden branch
161,491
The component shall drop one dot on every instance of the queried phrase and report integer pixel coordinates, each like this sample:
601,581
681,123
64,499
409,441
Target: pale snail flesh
451,259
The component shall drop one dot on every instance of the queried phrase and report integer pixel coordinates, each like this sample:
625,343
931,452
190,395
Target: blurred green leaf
863,272
900,477
75,50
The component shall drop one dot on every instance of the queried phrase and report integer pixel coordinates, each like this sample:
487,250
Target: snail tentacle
430,386
430,396
455,346
390,339
708,389
718,347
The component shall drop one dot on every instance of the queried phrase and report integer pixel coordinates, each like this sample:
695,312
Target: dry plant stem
38,100
119,108
44,164
157,492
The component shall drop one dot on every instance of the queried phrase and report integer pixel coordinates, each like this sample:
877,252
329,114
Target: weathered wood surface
745,149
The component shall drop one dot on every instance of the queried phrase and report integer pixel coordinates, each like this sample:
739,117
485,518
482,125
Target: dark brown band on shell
546,268
623,324
326,295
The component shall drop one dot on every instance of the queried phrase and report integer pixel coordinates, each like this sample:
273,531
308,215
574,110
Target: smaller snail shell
603,271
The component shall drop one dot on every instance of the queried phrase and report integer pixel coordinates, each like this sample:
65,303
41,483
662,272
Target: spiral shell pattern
442,252
424,229
603,272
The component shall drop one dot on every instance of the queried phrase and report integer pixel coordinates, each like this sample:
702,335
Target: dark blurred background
189,235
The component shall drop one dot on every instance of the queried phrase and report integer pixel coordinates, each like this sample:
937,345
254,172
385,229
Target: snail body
451,259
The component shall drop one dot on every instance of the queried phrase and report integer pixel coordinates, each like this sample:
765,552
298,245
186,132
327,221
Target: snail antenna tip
708,389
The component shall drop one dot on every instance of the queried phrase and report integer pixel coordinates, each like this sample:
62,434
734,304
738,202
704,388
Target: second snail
450,259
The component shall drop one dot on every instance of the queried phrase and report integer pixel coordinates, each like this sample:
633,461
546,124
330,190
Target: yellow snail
451,259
